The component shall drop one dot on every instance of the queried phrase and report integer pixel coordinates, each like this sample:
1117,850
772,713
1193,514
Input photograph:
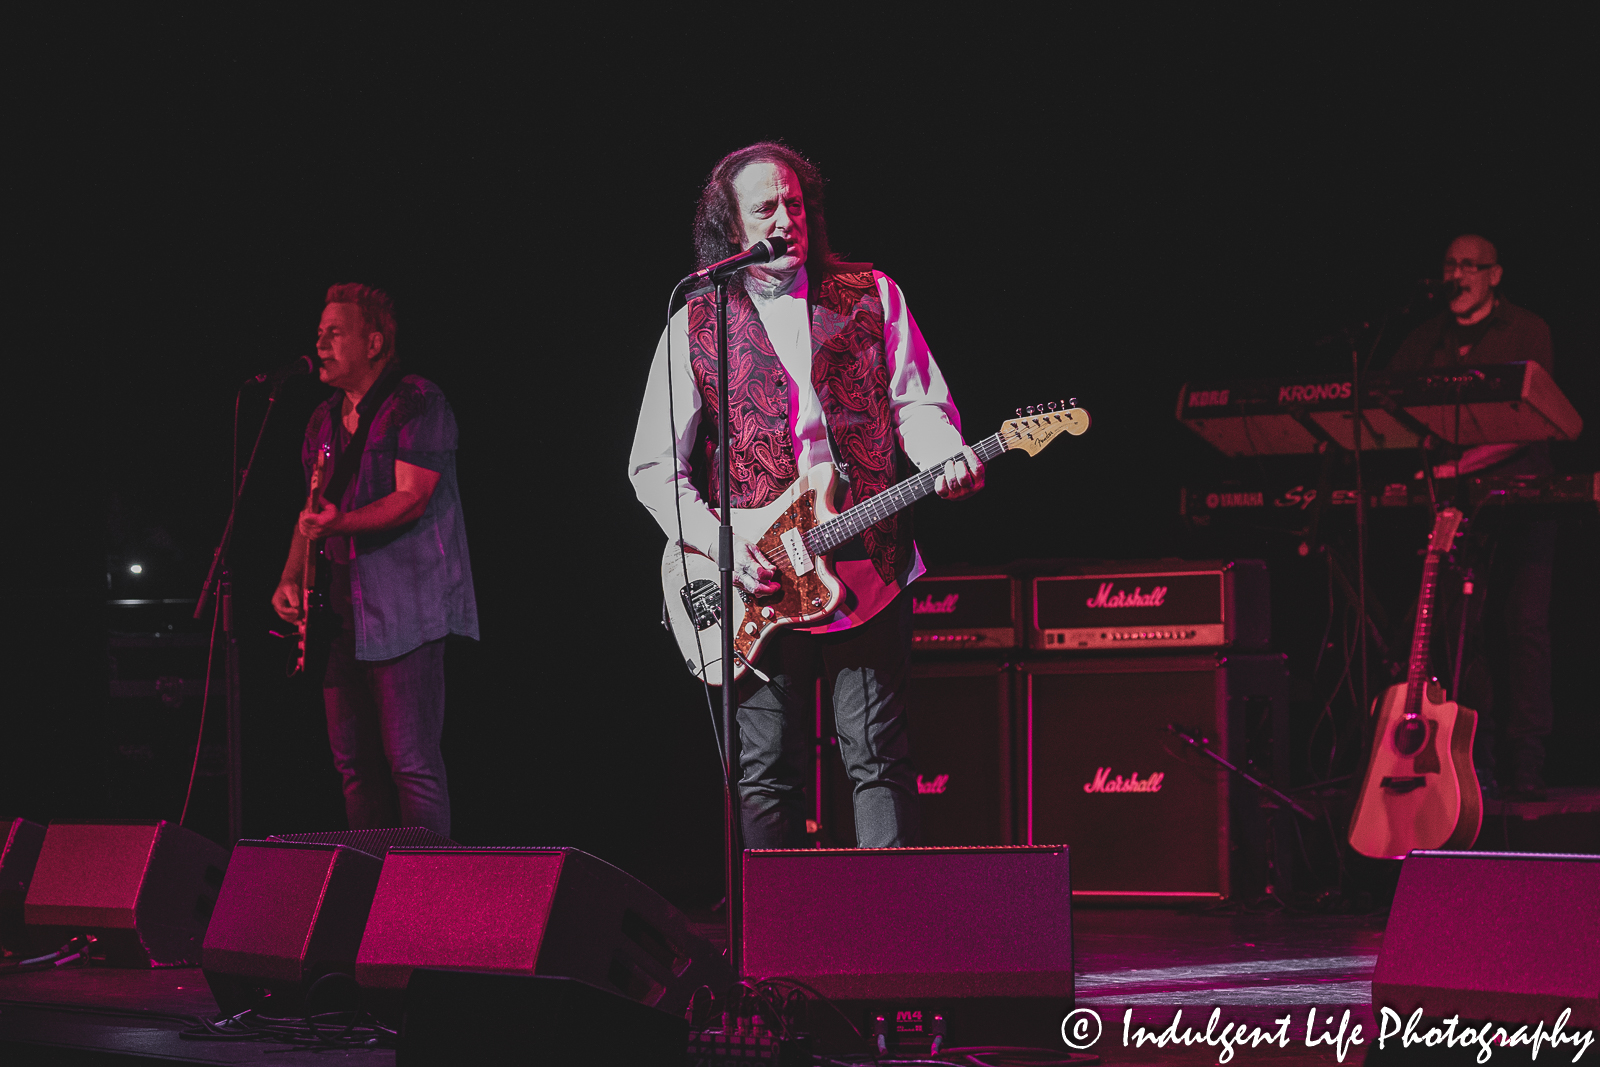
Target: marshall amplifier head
952,610
1104,607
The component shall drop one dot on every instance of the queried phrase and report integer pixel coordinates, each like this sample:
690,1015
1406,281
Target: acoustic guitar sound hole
1409,735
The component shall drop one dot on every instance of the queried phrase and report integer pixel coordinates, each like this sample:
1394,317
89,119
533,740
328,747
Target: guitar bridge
700,601
1402,785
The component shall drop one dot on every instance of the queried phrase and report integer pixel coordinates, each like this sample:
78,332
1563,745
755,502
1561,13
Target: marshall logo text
1105,598
1104,783
945,605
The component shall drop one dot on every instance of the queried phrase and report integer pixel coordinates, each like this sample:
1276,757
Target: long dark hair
716,218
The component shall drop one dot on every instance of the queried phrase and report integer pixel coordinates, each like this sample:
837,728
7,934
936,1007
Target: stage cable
683,553
205,701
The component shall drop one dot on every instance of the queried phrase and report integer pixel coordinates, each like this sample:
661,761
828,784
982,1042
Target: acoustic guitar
796,532
1421,789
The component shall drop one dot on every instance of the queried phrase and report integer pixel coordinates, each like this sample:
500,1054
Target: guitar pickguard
804,595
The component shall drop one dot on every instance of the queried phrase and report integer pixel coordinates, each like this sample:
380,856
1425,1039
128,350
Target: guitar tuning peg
1073,402
1019,413
1051,405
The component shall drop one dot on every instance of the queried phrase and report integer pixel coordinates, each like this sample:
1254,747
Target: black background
1100,206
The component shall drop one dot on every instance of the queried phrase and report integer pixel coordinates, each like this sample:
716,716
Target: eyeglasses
1466,266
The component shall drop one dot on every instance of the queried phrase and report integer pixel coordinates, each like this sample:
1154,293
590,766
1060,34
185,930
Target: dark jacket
1514,335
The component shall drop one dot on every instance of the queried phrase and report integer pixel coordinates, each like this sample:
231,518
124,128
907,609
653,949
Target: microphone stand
1361,517
733,835
219,583
1358,425
718,274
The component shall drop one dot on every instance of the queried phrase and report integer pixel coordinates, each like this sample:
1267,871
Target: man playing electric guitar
395,545
826,365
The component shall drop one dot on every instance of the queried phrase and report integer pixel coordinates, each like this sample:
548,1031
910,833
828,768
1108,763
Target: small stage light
137,569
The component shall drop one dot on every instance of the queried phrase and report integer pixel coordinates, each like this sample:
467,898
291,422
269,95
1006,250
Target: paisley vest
850,372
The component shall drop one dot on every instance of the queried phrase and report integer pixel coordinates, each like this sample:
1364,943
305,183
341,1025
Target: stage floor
104,1015
1254,967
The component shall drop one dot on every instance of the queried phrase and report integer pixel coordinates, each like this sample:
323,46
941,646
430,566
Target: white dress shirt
925,419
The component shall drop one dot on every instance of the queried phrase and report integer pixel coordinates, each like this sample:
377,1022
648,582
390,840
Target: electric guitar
1421,789
796,532
306,624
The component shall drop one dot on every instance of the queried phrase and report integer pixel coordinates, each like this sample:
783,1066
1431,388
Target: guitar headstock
1043,423
320,470
1445,527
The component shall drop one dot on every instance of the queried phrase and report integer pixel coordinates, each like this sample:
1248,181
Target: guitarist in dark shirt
1515,552
395,545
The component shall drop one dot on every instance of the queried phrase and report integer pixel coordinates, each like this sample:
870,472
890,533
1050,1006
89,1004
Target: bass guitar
1421,789
796,532
310,596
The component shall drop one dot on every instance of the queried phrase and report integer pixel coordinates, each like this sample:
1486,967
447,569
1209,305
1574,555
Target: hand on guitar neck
962,475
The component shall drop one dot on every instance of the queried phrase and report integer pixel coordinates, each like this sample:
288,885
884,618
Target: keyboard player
1509,611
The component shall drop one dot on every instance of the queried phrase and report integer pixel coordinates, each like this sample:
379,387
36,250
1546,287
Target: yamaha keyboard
1201,504
1497,403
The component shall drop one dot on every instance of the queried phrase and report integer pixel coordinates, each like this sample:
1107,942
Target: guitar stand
1203,746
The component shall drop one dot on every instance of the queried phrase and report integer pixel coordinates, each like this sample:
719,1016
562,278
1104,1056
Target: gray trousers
866,670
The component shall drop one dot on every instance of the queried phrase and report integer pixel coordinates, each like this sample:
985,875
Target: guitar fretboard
1421,635
841,528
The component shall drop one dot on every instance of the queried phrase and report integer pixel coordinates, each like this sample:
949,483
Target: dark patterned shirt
413,583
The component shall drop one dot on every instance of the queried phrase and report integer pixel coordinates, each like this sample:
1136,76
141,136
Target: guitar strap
841,464
344,473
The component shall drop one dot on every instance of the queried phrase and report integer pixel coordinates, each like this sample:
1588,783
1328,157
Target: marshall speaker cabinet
1146,815
952,610
962,733
1122,606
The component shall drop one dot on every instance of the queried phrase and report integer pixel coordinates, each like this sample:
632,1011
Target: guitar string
851,522
875,509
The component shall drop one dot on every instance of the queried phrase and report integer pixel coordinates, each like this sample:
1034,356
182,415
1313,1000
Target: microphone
1445,289
303,365
763,251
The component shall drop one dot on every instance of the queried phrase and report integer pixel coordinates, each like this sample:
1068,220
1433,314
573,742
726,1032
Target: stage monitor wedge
549,911
288,913
373,842
1507,936
146,890
981,936
19,853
